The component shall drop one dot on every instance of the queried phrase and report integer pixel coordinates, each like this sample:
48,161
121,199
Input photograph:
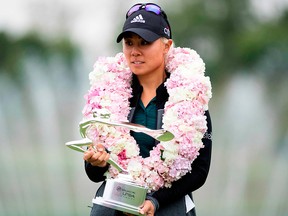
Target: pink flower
189,93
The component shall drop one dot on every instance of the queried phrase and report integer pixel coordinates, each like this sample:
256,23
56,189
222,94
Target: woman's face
145,58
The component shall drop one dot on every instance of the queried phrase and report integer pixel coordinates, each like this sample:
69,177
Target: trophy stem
117,166
78,144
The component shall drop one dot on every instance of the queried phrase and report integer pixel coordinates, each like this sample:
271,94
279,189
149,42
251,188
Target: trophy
120,193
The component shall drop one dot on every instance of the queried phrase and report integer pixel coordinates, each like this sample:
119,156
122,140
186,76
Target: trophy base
117,205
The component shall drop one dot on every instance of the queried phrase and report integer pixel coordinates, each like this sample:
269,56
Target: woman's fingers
99,159
147,208
96,155
88,154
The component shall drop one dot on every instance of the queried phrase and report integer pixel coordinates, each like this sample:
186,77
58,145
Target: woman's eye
145,42
128,43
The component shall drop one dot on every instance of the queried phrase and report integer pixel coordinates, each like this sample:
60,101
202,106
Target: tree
230,37
14,52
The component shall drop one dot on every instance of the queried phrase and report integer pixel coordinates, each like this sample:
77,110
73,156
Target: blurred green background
47,49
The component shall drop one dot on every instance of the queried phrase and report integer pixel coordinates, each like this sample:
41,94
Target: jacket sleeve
94,173
193,180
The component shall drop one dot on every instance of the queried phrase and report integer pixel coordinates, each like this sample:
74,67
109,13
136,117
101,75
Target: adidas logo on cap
138,19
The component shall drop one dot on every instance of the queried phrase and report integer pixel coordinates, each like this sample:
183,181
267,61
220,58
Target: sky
92,24
85,21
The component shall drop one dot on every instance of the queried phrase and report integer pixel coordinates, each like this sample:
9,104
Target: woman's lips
137,62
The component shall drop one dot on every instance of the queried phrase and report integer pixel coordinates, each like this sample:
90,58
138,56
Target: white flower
132,150
98,76
102,112
134,167
171,151
187,84
181,93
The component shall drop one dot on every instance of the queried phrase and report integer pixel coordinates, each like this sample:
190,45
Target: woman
147,40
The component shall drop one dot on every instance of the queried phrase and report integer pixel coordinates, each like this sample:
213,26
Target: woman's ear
168,45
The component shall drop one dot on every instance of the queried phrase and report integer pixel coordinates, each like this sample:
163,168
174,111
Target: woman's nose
135,51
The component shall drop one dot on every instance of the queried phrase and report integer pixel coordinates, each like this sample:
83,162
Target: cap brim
144,33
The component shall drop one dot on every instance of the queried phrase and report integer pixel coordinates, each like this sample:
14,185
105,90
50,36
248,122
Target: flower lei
189,93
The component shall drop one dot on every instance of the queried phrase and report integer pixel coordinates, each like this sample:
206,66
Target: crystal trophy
121,193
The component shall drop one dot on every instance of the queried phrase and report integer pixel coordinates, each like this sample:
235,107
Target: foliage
230,37
14,52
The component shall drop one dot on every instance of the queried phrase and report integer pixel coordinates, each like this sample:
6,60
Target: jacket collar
161,92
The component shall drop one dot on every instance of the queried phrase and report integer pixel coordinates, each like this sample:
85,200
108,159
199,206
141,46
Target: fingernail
100,149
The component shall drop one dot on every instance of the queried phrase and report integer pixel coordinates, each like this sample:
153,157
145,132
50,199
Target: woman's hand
147,208
96,156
